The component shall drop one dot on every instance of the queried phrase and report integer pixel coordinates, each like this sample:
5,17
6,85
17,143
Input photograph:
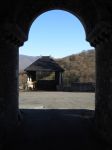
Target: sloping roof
44,63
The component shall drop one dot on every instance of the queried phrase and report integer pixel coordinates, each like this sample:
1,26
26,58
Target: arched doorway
97,25
54,35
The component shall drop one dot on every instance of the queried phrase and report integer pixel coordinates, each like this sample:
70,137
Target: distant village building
41,65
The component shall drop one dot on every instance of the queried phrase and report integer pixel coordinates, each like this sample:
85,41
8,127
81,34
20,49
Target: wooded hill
79,67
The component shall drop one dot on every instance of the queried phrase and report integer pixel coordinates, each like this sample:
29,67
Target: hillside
78,67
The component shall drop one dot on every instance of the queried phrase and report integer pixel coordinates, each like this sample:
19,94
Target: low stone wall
83,87
78,87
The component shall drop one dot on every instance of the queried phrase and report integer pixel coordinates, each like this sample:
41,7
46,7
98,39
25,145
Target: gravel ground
57,100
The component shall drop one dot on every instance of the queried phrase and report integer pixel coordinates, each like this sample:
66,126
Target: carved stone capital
12,34
101,34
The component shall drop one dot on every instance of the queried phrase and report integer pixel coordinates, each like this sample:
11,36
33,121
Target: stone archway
96,18
31,10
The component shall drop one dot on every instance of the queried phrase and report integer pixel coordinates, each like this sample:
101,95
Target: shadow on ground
55,130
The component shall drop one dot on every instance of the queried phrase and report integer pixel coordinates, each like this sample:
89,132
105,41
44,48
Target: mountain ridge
25,61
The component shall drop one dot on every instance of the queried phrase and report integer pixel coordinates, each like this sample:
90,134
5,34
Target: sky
55,33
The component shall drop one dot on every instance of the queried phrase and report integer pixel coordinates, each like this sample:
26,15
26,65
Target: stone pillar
101,38
10,40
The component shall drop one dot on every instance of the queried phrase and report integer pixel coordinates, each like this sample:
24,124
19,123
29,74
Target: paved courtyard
56,100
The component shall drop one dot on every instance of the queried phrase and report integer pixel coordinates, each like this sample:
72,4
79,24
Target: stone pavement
57,100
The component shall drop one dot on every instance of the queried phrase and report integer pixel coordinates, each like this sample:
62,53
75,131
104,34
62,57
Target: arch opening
68,61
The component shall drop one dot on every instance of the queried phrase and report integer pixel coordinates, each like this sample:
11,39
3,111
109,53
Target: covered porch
39,70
